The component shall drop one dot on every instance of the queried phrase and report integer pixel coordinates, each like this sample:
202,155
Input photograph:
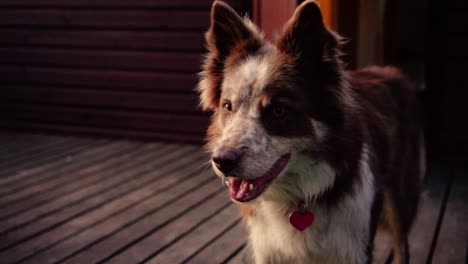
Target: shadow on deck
81,200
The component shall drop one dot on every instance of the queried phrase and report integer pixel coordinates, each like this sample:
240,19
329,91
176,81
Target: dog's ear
226,30
306,35
229,39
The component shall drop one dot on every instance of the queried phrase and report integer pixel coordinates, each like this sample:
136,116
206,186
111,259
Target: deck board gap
92,195
441,216
212,240
141,200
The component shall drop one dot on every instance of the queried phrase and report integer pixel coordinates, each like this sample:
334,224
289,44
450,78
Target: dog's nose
226,159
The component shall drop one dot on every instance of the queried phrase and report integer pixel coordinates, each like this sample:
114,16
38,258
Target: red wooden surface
106,19
131,60
109,67
103,78
124,119
107,3
102,40
82,97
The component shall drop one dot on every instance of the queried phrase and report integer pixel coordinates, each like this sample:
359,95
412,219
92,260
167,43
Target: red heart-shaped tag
300,220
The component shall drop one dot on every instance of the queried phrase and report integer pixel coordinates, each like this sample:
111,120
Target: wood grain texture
130,100
219,249
104,39
127,60
80,130
420,239
94,117
112,244
171,19
115,56
100,79
151,198
155,242
452,244
242,257
108,4
136,191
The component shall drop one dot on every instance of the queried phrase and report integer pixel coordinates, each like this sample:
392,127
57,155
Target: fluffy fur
354,138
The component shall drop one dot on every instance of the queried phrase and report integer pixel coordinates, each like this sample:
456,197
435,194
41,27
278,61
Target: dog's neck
310,184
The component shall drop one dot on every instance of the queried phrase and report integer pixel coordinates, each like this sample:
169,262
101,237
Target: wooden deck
82,200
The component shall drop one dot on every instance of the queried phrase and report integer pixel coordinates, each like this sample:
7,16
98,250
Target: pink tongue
244,188
239,188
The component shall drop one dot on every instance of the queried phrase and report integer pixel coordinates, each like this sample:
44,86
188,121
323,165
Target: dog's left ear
306,35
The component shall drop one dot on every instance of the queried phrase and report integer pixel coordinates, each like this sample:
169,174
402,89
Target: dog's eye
227,106
278,110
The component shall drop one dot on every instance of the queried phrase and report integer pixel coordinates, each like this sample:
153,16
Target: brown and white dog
292,131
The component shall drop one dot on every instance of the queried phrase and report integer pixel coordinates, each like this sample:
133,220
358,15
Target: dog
317,157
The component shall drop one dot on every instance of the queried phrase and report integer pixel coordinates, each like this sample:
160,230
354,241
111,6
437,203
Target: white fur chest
338,235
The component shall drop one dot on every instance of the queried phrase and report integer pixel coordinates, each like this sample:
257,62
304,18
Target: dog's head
274,105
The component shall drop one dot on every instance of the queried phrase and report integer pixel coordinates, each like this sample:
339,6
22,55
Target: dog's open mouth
244,190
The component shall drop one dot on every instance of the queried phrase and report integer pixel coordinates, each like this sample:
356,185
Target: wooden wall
108,67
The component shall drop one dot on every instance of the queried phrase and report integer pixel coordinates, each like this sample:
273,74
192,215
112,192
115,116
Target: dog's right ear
226,30
228,34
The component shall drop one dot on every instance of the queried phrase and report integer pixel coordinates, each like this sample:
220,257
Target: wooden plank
170,19
105,79
147,218
198,236
435,185
18,148
193,138
158,240
219,249
26,154
113,119
241,257
24,159
107,3
33,201
452,243
149,200
60,168
104,39
222,249
37,210
136,192
43,160
123,60
12,143
424,227
169,102
20,151
63,180
79,203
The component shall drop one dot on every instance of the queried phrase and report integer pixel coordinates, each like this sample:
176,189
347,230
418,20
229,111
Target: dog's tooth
251,187
228,184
